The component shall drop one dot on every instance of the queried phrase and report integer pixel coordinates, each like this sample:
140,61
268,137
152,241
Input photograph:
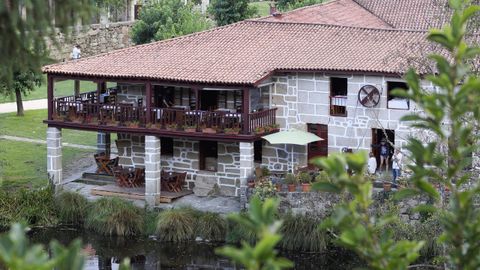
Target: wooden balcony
85,112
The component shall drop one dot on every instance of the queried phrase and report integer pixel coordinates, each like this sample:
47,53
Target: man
396,164
76,53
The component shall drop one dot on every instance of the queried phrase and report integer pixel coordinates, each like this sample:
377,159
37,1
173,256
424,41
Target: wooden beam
76,87
50,96
246,110
99,90
148,101
197,98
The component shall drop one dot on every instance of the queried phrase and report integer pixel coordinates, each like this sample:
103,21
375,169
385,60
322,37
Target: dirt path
27,105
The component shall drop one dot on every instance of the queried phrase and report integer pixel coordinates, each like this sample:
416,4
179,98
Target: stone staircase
96,179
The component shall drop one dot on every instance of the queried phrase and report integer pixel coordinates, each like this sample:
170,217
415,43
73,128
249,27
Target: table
130,177
172,181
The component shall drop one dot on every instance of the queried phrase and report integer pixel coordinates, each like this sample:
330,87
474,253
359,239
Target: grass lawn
63,88
31,126
263,7
25,164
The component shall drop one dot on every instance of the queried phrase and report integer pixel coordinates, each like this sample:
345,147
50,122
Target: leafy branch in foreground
361,231
442,114
261,219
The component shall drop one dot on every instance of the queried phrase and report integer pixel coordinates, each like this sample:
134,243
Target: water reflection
106,253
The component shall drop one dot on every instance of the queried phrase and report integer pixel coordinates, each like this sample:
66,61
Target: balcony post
99,90
50,84
148,102
246,110
197,98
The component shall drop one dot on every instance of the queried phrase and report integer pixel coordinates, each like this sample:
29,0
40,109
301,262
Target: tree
442,114
167,19
23,42
285,5
23,82
230,11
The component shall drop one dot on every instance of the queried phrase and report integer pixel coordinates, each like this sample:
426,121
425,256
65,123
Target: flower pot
306,187
292,188
191,130
209,130
232,132
279,187
251,184
387,186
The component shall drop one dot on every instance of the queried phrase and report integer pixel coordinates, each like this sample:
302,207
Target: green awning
292,136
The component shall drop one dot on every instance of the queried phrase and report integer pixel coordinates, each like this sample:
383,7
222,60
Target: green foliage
230,11
176,225
114,216
290,179
261,218
23,44
264,188
150,222
35,207
304,178
286,5
450,115
237,232
212,227
15,253
302,233
23,82
359,228
71,207
167,19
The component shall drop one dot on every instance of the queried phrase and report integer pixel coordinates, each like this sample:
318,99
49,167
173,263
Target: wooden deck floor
136,193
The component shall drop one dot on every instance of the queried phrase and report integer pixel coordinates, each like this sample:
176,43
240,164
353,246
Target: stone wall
303,98
93,39
321,204
225,181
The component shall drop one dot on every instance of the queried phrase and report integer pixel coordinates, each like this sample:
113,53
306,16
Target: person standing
396,164
372,164
76,52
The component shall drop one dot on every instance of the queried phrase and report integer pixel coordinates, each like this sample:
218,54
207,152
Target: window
208,155
166,146
338,96
257,151
394,102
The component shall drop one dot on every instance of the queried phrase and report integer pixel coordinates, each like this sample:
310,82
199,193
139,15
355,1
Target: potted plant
251,182
232,131
306,180
264,189
259,130
190,128
291,182
387,186
209,130
133,124
112,122
279,185
172,127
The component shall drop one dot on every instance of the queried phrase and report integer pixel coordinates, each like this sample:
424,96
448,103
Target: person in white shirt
372,164
397,164
76,52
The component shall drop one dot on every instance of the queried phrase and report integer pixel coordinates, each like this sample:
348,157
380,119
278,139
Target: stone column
103,143
247,167
54,155
152,170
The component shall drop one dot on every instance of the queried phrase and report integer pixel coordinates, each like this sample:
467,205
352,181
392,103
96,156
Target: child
396,165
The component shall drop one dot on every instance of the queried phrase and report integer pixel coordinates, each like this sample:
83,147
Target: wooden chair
177,185
164,179
121,176
102,163
138,178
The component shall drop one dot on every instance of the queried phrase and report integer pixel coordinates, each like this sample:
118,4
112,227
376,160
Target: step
96,176
93,182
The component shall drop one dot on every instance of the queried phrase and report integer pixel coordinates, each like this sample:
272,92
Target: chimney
273,10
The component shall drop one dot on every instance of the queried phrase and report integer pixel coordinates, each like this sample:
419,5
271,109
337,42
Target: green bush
231,11
71,207
114,216
31,207
176,225
286,5
302,233
212,227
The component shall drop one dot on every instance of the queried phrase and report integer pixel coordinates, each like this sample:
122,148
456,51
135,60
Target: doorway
383,134
320,148
163,96
209,100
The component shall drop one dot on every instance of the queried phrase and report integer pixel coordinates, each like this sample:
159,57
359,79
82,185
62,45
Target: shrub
231,11
114,216
212,227
176,225
32,207
71,207
302,233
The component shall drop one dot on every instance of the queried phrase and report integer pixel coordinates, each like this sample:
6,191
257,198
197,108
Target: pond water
107,252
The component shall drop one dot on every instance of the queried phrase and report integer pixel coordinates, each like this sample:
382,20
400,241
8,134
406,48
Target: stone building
201,103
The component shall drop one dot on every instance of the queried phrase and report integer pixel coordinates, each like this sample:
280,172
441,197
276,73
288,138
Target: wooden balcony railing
87,112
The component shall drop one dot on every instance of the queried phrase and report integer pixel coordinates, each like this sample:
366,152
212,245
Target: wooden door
209,100
319,148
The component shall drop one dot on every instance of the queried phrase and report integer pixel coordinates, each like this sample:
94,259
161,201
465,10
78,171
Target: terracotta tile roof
338,12
409,14
246,52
